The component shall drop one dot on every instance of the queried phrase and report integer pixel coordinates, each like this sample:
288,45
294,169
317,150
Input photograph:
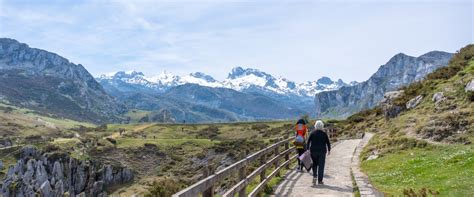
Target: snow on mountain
243,79
165,79
239,79
200,79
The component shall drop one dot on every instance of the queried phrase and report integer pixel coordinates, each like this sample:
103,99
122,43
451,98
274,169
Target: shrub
112,140
50,148
259,126
164,188
470,96
210,132
420,193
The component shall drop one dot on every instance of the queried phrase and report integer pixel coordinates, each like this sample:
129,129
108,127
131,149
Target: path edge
362,180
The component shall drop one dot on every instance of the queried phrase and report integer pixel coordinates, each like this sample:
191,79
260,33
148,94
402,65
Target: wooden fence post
209,192
277,163
242,175
287,146
263,160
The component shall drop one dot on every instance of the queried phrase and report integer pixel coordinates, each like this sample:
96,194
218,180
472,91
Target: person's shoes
314,181
320,183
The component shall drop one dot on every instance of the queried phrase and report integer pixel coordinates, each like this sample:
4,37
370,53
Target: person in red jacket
300,130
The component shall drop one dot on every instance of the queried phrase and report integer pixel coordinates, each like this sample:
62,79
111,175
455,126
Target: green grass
134,142
136,115
447,169
8,158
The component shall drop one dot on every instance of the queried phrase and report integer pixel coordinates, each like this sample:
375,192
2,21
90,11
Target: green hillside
426,149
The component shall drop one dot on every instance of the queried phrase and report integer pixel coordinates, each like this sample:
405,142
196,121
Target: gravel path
337,176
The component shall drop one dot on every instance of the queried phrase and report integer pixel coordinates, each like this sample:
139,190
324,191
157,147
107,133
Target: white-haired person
318,144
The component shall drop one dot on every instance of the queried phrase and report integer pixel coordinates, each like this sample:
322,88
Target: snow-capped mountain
239,79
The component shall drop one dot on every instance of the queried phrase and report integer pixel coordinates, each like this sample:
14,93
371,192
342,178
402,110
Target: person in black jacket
319,145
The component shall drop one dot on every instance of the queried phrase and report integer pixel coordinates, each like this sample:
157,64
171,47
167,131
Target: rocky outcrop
5,142
55,175
389,109
399,71
412,103
438,97
470,86
47,82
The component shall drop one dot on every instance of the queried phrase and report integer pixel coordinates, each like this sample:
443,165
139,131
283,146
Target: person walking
300,140
318,144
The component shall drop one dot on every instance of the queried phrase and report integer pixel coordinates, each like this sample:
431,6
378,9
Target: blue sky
300,40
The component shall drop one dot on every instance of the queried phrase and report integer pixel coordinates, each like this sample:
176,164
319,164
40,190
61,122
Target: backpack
299,139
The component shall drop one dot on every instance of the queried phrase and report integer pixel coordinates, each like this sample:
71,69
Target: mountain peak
436,54
128,74
325,80
240,72
204,76
236,72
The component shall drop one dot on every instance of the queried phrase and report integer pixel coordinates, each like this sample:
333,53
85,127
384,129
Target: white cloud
283,38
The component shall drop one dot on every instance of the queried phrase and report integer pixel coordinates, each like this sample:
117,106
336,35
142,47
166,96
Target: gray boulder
45,189
79,178
41,175
31,152
389,109
59,188
97,188
437,97
470,86
389,97
372,157
1,165
30,171
57,172
414,102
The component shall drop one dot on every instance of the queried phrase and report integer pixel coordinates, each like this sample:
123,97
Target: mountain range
246,94
239,79
401,70
50,84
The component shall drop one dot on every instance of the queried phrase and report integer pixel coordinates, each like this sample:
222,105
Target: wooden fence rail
205,187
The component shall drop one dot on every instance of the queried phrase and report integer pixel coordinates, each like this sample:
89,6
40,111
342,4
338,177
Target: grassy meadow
442,170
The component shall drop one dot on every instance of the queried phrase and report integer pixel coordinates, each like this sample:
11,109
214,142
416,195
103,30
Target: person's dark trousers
300,152
319,159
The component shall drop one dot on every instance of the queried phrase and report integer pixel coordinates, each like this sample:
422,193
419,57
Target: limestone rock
35,173
59,188
470,86
46,189
414,102
389,109
372,157
57,172
437,97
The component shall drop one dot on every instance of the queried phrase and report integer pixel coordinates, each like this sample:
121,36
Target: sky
299,40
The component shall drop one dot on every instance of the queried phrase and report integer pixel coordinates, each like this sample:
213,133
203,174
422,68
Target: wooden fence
277,154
